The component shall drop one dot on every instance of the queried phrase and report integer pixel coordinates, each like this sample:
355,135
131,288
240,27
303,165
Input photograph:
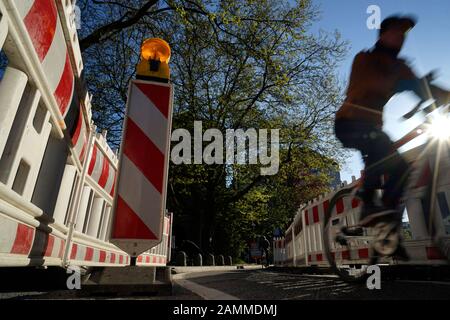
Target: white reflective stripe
166,225
110,181
54,61
23,6
63,244
97,172
148,118
96,255
140,195
81,252
56,246
8,230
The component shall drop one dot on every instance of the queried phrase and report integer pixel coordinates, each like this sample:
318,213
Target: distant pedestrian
264,245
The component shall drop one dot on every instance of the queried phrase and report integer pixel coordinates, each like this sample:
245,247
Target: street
272,285
264,284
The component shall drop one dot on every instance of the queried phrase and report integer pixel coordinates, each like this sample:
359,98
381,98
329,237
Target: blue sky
427,47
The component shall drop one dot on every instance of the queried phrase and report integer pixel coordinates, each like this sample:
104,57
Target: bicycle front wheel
349,254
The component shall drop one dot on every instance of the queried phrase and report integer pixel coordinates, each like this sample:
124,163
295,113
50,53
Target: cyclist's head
394,29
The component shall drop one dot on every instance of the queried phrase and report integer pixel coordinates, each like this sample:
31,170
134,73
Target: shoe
353,232
370,215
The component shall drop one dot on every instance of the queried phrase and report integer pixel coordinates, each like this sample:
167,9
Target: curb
180,272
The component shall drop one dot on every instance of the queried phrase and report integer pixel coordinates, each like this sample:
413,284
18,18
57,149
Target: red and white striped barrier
43,26
141,190
46,136
101,170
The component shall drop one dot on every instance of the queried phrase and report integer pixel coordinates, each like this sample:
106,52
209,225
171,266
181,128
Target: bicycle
342,240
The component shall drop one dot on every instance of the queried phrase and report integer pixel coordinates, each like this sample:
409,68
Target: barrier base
129,281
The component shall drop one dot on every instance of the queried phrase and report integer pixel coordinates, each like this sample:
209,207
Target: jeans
380,159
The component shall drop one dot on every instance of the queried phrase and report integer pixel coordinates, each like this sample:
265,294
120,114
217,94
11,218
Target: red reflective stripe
345,255
433,253
93,159
424,176
105,172
83,150
139,259
63,93
112,259
76,134
144,154
340,206
316,214
309,257
73,254
147,259
50,244
102,256
355,203
24,239
319,257
40,22
114,184
159,95
306,217
128,225
121,259
89,254
326,205
154,259
363,253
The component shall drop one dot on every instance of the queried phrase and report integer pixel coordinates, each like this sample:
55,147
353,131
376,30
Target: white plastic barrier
57,176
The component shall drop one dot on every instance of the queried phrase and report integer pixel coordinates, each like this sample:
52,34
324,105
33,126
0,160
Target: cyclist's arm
421,87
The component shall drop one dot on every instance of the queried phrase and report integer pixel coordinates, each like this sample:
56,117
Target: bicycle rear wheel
349,256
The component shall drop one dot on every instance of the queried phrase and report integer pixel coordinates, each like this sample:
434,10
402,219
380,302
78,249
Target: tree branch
103,33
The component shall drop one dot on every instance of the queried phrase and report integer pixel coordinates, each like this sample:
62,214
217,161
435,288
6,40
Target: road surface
264,284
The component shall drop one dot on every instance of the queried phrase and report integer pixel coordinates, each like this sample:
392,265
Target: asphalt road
265,284
271,284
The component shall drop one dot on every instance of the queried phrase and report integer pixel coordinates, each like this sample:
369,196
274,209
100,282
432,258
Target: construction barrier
57,174
302,244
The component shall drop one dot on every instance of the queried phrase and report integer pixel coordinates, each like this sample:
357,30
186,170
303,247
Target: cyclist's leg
398,172
379,160
354,134
383,159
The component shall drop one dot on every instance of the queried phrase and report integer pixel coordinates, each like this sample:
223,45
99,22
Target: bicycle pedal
353,232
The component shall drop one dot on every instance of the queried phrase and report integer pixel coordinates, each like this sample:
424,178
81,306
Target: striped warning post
141,185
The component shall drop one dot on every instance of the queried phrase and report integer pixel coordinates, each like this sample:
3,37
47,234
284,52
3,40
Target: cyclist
376,76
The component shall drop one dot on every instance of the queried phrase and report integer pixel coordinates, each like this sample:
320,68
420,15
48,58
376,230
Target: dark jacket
375,77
